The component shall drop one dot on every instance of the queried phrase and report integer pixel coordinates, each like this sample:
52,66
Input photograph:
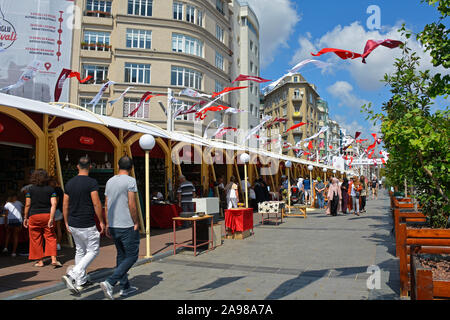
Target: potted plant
415,136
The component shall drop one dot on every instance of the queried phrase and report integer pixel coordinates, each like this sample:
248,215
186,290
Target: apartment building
152,45
246,60
296,100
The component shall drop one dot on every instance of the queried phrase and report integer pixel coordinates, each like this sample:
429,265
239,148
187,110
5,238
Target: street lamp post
310,168
245,158
288,166
334,173
147,142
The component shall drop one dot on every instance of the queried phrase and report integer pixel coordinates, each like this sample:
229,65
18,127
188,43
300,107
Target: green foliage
416,139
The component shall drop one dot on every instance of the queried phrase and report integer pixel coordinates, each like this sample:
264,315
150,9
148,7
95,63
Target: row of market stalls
35,134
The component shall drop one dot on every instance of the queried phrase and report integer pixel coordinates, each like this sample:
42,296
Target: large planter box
423,285
424,240
403,216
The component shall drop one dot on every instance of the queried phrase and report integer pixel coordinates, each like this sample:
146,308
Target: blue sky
308,26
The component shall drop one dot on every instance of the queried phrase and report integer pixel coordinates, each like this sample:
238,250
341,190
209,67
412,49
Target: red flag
310,145
331,147
296,126
343,54
382,160
202,114
351,160
276,120
375,143
227,89
373,44
371,154
144,98
243,77
66,73
357,134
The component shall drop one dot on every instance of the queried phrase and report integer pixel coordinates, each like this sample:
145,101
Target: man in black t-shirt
81,203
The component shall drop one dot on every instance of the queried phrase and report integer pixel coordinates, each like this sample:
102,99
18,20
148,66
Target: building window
219,6
295,79
178,11
219,33
218,86
99,74
186,77
95,40
99,108
137,73
251,45
190,14
296,94
129,104
199,18
219,61
140,7
98,8
186,44
139,39
251,67
185,105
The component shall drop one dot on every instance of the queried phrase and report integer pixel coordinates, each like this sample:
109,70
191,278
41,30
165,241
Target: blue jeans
321,200
127,245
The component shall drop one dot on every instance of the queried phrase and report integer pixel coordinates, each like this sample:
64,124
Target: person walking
39,218
232,193
320,188
374,185
260,191
58,214
13,222
344,192
334,196
307,188
122,225
80,206
355,194
363,182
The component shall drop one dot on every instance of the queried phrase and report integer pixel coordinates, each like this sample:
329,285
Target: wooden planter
423,287
402,216
425,240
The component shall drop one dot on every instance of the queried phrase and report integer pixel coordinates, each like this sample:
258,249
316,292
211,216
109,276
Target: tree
416,139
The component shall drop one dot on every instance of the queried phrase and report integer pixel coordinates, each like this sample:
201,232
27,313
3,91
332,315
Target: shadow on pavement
216,284
18,280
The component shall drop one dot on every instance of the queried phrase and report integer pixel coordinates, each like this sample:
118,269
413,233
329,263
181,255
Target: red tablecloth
239,219
161,215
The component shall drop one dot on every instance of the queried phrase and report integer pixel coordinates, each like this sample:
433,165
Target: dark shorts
14,224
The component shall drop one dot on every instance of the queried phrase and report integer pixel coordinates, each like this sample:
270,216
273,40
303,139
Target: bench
297,210
271,208
430,241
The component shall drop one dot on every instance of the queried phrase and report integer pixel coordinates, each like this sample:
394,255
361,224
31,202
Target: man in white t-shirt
122,224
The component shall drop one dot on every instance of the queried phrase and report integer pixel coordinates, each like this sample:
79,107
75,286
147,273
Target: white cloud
350,128
277,19
354,37
343,91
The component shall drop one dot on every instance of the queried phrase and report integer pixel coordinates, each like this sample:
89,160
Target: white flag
27,75
97,97
121,96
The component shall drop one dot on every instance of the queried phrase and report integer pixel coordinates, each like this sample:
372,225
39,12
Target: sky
291,29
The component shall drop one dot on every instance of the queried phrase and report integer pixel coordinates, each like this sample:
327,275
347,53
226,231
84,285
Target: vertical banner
30,31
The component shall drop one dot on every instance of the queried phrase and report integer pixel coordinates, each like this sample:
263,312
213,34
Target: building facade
152,45
246,60
296,100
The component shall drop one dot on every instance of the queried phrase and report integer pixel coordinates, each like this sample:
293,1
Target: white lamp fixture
288,165
310,167
244,159
147,142
334,171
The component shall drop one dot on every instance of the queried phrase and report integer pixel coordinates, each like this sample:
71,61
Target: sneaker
58,247
5,250
84,285
70,284
107,289
127,292
13,255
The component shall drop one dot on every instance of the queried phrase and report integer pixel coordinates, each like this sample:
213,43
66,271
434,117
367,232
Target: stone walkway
321,257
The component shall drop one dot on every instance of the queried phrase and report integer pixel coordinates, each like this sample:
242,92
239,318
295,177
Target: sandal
38,265
57,264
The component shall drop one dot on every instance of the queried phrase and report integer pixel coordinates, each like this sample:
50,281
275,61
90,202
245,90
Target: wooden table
194,233
297,210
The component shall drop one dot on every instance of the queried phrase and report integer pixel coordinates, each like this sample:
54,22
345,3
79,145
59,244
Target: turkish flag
343,54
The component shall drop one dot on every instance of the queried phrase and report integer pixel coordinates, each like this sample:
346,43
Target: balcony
297,97
98,18
96,50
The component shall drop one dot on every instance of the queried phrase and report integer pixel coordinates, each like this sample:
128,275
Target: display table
239,220
194,233
161,215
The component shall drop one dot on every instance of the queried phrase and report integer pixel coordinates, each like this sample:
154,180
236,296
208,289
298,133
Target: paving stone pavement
321,257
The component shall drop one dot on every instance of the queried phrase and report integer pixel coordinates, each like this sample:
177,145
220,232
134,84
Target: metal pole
147,203
289,190
310,188
246,191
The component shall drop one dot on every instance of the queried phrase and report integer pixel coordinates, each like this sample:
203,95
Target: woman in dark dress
335,196
344,192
